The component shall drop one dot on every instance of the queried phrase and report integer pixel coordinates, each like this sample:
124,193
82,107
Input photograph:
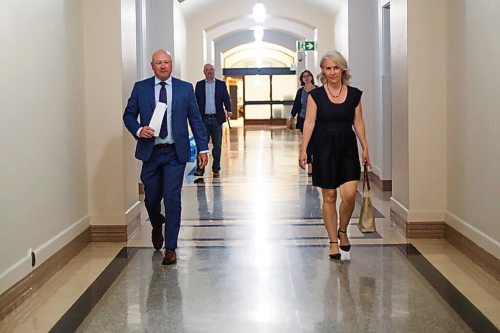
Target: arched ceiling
276,25
234,39
250,54
273,40
195,7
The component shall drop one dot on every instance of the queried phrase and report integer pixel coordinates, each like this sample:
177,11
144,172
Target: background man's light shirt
210,97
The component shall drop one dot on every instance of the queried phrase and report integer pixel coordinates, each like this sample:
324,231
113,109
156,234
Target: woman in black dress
299,108
332,112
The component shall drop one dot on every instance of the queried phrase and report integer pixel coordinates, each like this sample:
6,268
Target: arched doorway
261,78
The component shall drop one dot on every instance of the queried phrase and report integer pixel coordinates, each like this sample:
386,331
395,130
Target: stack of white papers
157,117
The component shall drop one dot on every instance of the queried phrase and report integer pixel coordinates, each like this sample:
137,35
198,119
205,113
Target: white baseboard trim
23,267
376,171
475,235
133,212
417,224
133,218
15,273
117,219
399,208
415,215
117,232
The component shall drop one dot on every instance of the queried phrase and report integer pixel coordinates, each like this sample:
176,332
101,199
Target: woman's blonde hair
341,63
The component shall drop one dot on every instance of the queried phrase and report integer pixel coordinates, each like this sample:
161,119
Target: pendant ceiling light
259,12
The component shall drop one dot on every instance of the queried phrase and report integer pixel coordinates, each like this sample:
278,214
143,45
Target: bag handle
365,178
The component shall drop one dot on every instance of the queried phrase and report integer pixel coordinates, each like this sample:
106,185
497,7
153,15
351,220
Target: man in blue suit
212,97
164,154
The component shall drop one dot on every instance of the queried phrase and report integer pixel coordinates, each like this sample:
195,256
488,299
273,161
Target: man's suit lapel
151,92
216,92
204,94
175,97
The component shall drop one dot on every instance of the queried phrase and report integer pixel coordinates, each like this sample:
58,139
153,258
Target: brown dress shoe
170,257
216,174
157,238
199,173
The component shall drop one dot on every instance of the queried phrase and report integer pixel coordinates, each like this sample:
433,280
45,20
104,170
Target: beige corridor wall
427,109
399,70
180,43
128,78
363,63
110,70
419,108
473,122
44,175
341,30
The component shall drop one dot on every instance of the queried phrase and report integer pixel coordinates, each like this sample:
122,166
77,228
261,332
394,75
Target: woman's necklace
328,86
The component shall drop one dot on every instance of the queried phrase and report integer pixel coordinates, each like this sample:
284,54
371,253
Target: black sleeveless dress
335,150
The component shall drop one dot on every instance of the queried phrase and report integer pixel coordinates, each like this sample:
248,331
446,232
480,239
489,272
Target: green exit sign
306,45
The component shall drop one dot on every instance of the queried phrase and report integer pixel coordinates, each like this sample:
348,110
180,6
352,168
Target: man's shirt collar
168,81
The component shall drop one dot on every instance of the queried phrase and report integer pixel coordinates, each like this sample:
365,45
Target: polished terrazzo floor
253,258
272,289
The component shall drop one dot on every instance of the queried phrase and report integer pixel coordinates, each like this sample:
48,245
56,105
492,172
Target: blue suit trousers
162,176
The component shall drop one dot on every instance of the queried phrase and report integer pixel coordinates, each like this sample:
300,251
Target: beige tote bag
366,219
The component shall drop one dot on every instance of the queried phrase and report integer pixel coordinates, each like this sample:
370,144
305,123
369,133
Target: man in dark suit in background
212,97
164,154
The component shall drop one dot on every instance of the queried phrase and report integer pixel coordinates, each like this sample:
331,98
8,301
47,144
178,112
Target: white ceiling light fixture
259,12
258,33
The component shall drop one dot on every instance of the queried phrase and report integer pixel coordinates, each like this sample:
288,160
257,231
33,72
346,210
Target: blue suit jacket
142,103
221,99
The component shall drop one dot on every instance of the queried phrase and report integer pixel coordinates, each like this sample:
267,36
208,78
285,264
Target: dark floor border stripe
73,318
462,306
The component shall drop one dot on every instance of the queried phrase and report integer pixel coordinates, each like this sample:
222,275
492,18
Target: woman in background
299,108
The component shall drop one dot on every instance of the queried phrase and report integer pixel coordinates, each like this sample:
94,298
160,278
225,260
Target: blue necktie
163,99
